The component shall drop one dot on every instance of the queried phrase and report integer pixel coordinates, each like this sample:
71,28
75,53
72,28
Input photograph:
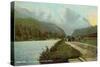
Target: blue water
28,52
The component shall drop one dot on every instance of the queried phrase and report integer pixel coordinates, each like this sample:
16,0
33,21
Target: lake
28,52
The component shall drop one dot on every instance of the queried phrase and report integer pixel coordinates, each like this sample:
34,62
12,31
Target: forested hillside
31,29
85,31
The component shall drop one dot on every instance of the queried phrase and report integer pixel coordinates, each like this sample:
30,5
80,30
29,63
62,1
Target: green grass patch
60,52
90,41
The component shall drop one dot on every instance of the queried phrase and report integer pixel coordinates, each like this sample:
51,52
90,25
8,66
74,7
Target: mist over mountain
30,28
69,20
85,31
22,13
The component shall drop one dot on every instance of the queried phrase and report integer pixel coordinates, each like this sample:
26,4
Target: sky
64,15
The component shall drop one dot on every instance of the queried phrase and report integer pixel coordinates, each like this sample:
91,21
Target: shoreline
40,40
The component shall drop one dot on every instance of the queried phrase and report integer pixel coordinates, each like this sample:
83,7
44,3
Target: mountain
85,31
29,28
22,13
74,20
69,20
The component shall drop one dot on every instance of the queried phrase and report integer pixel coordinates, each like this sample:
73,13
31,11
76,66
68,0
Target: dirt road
89,52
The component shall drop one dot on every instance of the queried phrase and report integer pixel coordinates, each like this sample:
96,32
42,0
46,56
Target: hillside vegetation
32,29
59,53
85,31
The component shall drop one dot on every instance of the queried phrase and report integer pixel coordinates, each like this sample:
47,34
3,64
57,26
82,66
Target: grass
90,41
58,53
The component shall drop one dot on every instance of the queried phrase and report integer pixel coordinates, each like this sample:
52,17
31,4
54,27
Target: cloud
92,18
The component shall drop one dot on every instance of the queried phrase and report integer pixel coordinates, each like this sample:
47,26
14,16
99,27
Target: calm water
28,52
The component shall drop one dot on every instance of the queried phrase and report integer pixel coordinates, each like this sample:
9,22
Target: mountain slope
85,31
31,29
22,13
